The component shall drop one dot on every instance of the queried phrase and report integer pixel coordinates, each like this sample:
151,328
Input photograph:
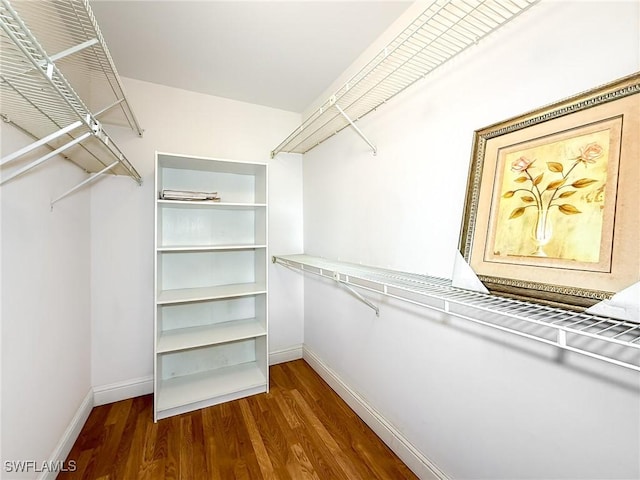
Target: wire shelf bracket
442,31
607,339
358,296
40,101
355,127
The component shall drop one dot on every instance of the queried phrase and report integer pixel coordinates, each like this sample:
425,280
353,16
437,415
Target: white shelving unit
59,85
211,317
443,30
606,339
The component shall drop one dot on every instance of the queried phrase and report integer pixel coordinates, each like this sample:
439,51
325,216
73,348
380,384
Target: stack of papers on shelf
187,195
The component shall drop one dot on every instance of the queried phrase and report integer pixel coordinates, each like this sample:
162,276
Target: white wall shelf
207,248
229,383
607,339
190,337
45,48
207,204
185,295
442,31
211,316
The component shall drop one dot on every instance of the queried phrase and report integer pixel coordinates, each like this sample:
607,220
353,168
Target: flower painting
552,199
551,211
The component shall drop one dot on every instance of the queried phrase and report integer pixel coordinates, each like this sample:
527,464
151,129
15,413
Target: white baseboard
395,440
69,437
115,392
285,355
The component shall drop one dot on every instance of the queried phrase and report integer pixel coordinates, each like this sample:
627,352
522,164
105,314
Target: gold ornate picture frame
552,211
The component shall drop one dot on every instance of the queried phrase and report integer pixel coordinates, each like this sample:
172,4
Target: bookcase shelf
190,337
191,391
206,248
183,295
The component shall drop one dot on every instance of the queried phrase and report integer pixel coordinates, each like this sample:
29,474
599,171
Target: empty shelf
187,389
185,295
207,248
193,337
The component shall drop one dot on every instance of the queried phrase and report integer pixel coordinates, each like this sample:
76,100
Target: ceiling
282,54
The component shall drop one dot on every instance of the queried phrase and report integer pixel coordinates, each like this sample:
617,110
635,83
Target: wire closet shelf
607,339
37,94
445,29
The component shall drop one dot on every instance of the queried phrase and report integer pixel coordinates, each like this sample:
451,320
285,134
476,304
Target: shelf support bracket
358,131
91,179
108,107
336,277
342,283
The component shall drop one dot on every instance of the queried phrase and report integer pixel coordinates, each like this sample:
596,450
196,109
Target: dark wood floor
300,430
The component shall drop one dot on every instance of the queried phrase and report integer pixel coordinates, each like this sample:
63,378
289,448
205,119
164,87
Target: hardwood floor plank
200,466
93,432
161,442
264,462
135,457
150,441
226,444
186,447
300,430
82,463
316,450
303,468
247,452
116,423
152,471
294,437
210,450
240,470
347,466
292,419
279,378
272,436
172,456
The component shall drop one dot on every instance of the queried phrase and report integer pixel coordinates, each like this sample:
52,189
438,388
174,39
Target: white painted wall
178,121
477,403
45,293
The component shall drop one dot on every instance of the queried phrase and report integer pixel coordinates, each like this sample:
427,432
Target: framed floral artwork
552,211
